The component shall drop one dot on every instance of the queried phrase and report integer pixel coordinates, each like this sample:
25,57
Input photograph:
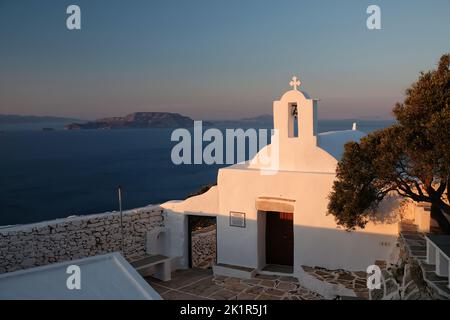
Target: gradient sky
213,59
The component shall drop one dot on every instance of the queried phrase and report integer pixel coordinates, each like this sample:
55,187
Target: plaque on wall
237,219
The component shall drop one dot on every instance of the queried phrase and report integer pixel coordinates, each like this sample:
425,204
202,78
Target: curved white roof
333,141
107,276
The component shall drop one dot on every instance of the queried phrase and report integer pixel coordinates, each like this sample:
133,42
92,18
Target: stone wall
42,243
410,277
204,247
402,280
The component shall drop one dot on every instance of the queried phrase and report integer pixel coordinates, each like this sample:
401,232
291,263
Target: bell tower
295,116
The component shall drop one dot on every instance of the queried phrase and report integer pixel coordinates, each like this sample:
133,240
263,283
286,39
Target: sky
214,59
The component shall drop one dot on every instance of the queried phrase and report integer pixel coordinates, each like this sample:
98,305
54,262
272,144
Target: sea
52,174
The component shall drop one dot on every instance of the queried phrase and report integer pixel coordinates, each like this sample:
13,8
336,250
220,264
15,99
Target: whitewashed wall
318,241
176,213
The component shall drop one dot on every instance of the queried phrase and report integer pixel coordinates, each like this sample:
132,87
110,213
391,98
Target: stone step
233,271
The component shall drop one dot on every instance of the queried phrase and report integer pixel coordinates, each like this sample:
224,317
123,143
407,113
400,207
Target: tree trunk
438,215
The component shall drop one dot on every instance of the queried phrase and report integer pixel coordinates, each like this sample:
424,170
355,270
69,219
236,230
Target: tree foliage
411,157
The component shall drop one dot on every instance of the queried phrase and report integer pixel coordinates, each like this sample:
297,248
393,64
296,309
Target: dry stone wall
204,247
72,238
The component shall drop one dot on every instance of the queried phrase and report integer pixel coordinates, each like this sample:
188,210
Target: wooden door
280,238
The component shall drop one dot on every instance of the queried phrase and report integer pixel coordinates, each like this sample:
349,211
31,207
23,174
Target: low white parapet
438,254
422,217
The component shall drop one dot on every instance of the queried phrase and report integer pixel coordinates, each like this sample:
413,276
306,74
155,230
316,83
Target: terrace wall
38,244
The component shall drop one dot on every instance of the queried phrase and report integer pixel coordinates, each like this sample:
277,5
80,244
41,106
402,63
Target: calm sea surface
53,174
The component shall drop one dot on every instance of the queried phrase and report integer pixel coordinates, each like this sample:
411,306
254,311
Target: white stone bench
160,263
438,253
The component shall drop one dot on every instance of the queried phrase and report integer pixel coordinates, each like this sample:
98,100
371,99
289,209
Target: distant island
261,118
15,122
138,120
13,119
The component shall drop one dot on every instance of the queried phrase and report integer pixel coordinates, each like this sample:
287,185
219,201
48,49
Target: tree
411,158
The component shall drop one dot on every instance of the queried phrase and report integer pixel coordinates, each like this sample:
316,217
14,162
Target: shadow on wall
331,248
390,210
340,249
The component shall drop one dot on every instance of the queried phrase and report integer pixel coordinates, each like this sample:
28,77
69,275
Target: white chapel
275,218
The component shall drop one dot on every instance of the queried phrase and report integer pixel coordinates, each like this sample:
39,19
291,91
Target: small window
237,219
293,120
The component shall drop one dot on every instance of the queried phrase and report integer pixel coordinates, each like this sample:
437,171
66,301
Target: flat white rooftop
107,276
333,141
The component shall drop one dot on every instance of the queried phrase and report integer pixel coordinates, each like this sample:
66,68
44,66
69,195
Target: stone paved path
415,244
356,281
198,284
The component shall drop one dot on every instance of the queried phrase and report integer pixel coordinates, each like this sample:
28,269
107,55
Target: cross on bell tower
295,82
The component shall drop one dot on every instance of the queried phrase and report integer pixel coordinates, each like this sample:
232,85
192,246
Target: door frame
292,255
190,224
